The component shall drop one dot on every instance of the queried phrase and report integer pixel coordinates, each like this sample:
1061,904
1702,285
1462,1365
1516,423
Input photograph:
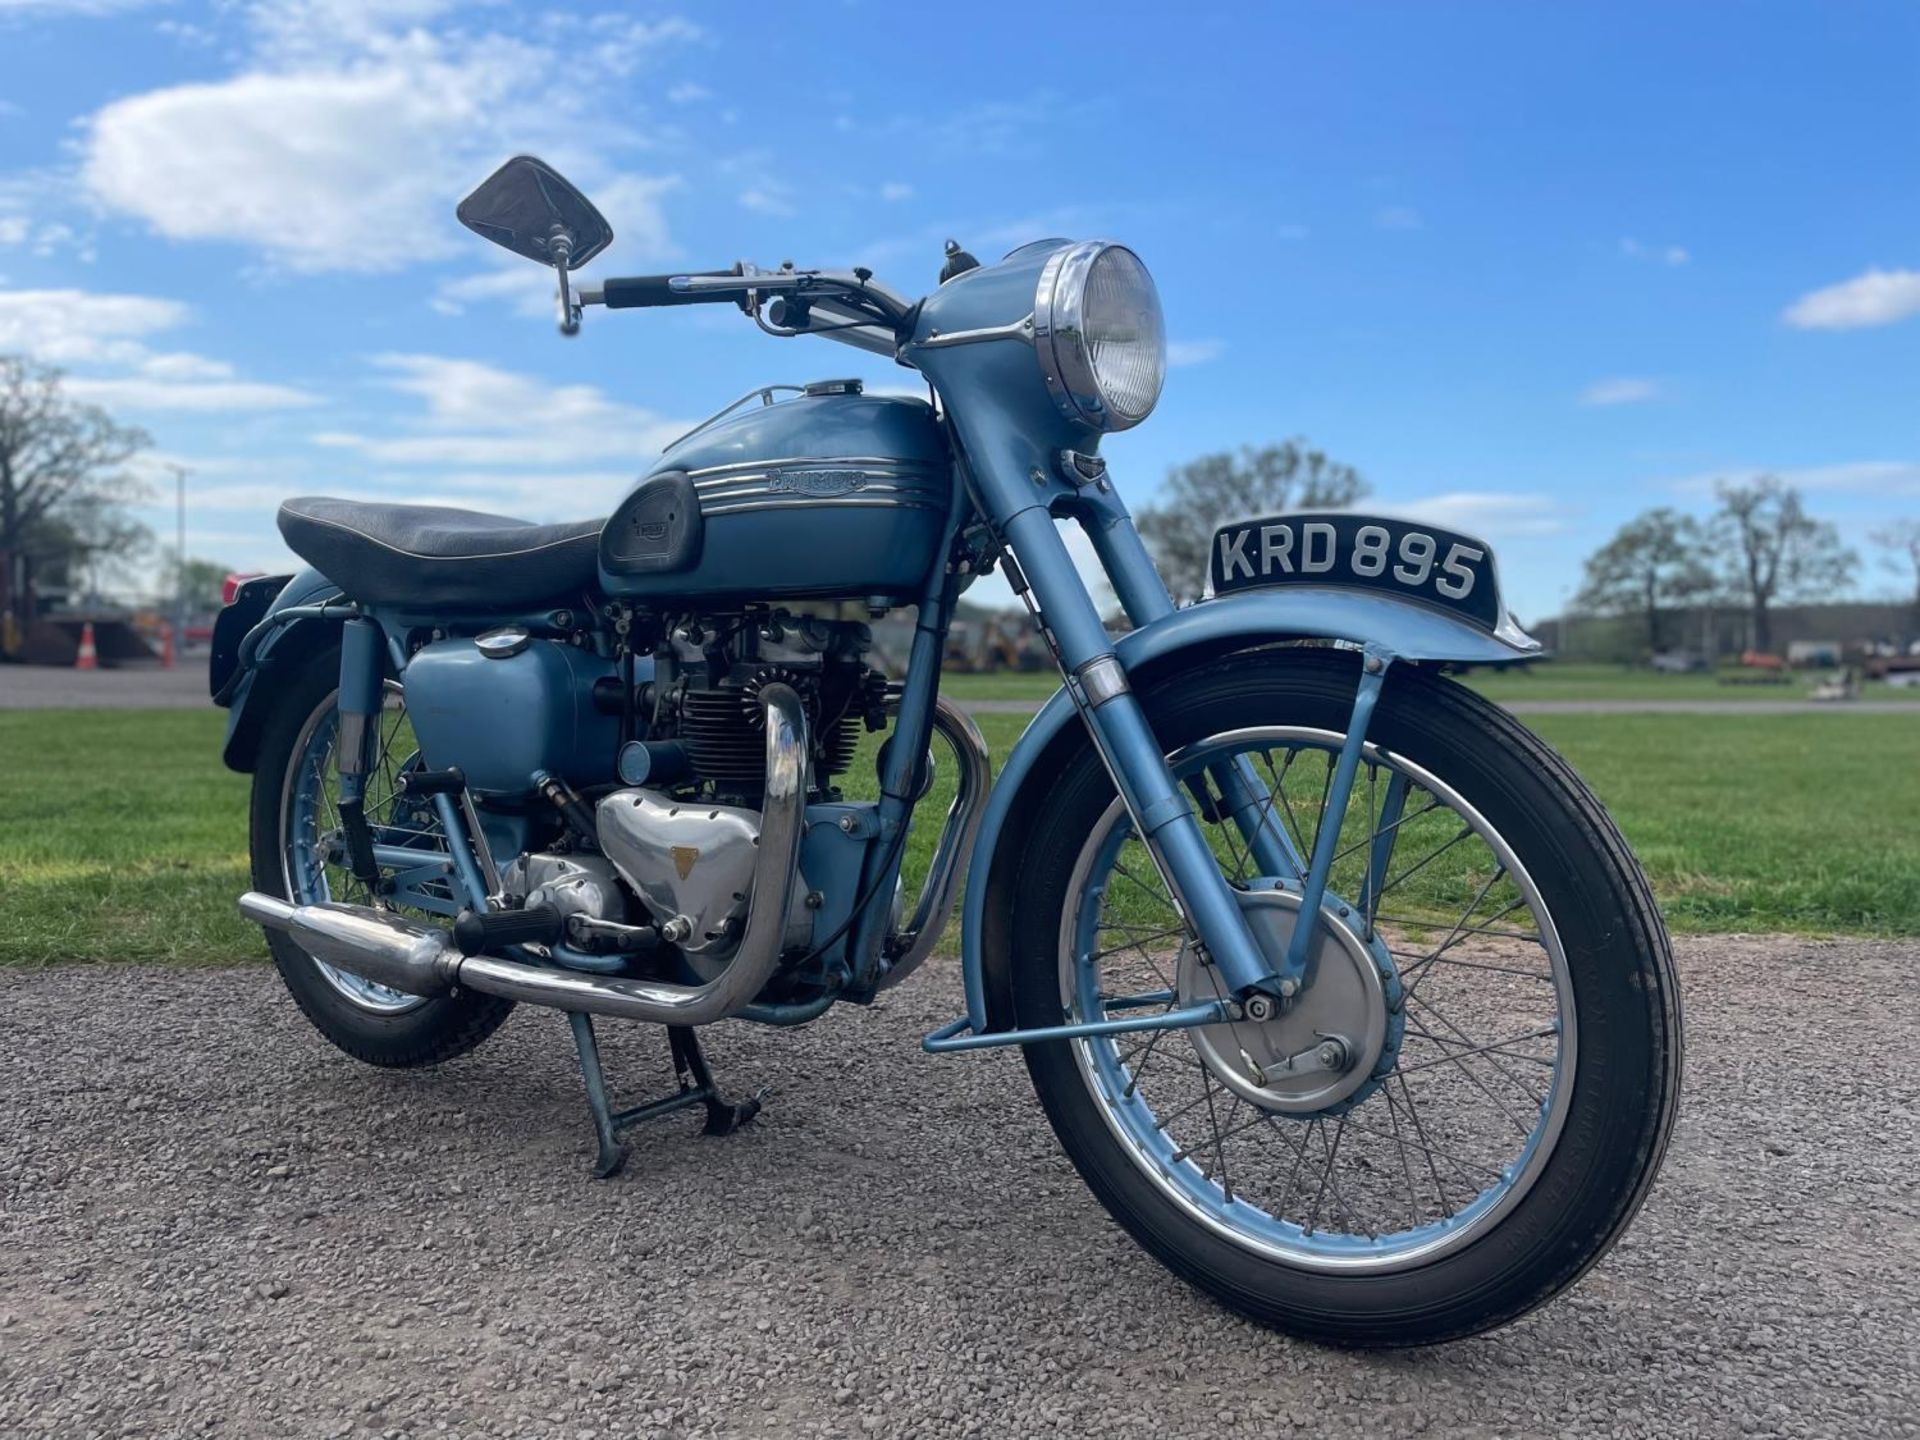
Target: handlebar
634,292
849,307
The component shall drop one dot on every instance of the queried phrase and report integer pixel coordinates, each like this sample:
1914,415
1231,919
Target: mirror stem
561,248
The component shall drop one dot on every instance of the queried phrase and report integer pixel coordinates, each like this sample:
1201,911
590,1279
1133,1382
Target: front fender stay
1395,629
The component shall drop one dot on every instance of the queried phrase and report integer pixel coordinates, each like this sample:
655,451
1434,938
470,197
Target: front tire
1424,1225
369,1022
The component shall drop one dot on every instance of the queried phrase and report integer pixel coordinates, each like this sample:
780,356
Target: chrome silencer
420,960
376,944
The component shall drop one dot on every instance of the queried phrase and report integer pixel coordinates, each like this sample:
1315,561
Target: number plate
1360,552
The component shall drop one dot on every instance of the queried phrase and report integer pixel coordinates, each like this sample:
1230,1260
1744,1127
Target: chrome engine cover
689,860
572,884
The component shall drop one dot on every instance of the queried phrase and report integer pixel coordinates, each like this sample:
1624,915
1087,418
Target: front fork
1097,683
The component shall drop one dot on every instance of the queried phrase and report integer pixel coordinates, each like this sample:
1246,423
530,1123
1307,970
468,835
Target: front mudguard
1197,634
286,647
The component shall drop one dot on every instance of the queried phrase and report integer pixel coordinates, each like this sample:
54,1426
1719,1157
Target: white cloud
1495,514
895,190
10,9
134,392
768,199
1194,352
79,327
1398,217
1878,297
99,332
686,92
1633,249
297,153
1620,390
480,417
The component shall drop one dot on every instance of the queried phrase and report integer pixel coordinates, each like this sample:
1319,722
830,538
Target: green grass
122,838
1550,680
1807,823
1565,680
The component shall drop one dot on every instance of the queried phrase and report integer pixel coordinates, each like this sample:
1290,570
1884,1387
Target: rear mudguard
283,649
1199,633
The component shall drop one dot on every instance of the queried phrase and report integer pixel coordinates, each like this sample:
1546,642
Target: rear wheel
298,855
1469,1100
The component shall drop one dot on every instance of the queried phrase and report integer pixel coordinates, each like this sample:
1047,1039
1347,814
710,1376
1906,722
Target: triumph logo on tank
819,483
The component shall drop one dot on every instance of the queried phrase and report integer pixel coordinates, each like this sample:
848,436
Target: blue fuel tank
831,494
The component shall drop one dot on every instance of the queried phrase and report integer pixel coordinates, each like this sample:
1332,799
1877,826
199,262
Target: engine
708,673
685,830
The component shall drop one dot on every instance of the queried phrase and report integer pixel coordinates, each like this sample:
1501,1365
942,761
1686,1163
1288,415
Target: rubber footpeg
477,933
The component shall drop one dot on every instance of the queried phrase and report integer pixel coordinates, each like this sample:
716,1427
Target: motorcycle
1338,987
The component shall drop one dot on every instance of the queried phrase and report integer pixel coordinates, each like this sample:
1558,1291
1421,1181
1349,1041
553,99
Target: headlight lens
1098,332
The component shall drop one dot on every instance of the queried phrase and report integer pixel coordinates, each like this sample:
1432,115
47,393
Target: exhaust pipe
375,944
420,960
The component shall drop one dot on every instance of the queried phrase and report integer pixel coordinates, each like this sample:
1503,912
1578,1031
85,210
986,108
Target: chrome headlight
1098,333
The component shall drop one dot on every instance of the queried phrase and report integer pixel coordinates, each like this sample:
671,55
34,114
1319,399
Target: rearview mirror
530,208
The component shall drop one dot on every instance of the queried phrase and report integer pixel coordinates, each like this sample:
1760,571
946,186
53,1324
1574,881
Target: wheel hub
1320,1050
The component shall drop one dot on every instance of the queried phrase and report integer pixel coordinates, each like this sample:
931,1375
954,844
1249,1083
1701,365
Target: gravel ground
212,1223
125,687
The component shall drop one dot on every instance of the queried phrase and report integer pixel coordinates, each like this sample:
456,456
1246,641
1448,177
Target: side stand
690,1070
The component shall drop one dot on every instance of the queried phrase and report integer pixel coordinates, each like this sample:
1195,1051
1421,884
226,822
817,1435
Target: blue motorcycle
1339,988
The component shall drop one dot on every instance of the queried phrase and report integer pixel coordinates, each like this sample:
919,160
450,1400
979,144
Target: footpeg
486,933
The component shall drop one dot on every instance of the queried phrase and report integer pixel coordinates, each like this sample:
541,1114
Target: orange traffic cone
88,658
166,647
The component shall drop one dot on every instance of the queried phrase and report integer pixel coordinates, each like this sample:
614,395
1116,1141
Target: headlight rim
1066,359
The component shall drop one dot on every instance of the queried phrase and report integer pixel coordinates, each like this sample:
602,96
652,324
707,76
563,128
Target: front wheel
1467,1103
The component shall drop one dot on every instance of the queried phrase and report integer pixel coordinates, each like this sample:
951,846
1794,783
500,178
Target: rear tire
1600,1158
426,1032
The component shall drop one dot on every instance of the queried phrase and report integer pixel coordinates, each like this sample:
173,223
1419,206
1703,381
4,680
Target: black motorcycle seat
437,558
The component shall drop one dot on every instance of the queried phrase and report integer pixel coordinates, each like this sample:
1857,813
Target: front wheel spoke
1219,1141
1421,957
1523,1126
1205,1098
1418,866
1230,1130
1426,1149
1454,936
1406,1161
1299,1152
1278,781
1495,1047
1146,1054
1383,830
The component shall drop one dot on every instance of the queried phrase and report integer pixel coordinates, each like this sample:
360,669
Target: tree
1653,563
1902,537
1775,551
198,582
1204,494
62,480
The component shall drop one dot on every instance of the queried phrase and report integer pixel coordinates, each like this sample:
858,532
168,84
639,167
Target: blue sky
1531,268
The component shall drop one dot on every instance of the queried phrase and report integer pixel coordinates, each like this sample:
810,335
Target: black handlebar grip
476,933
635,292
